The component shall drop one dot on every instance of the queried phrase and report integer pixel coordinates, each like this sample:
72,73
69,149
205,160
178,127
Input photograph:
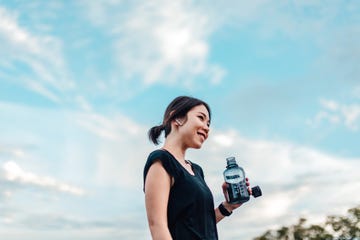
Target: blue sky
83,81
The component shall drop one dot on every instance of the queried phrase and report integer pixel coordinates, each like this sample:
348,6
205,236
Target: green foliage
335,227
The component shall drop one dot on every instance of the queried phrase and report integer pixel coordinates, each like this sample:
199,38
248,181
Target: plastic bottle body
234,176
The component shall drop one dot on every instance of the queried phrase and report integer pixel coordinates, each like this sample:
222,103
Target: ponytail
154,133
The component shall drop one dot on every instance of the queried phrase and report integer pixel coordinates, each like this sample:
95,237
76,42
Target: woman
179,204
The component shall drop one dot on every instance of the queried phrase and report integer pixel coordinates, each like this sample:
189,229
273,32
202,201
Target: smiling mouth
203,135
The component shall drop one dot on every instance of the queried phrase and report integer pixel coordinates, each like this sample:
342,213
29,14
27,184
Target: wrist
224,210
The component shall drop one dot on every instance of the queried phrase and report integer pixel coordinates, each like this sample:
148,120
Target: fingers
248,186
249,190
224,187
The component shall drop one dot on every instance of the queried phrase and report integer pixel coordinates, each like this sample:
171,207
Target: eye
201,117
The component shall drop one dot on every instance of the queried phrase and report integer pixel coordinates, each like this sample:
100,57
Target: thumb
225,191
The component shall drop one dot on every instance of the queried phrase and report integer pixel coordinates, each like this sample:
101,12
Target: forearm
160,232
218,215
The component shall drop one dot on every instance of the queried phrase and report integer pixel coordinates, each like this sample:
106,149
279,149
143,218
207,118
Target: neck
175,149
177,153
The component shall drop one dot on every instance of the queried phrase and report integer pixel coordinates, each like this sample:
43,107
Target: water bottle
236,183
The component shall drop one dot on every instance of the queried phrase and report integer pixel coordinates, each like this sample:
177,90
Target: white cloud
162,41
224,140
15,35
336,113
40,57
279,205
83,103
12,151
329,104
295,180
112,128
14,173
351,115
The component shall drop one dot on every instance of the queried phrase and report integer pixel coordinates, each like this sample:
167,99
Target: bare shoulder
157,177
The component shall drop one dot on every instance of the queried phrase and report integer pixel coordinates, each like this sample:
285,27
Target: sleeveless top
190,211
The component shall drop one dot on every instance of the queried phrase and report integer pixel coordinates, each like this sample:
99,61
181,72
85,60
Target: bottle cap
230,161
256,191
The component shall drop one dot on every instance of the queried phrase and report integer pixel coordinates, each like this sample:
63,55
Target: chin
197,145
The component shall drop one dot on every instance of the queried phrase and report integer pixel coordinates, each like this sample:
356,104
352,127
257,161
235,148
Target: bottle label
232,177
238,193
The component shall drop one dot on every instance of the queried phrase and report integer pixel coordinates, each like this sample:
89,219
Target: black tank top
190,210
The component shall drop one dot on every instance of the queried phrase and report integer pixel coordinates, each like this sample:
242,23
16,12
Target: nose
206,128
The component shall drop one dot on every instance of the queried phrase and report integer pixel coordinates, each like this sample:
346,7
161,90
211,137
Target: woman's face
195,127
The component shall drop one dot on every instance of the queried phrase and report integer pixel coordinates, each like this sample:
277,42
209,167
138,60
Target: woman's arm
157,189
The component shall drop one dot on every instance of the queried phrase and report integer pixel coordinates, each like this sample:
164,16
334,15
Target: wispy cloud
12,172
335,113
111,128
162,42
12,151
39,56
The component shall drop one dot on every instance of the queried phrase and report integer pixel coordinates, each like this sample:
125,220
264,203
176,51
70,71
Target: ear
179,123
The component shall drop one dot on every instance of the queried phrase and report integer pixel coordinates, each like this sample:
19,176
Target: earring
178,121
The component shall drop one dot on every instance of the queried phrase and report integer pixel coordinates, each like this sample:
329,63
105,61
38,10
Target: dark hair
178,108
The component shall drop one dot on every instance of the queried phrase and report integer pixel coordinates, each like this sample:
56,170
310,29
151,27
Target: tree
346,227
335,227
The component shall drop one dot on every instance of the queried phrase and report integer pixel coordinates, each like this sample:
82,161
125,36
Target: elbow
159,230
156,225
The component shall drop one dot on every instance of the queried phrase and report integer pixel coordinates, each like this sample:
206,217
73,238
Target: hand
230,207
